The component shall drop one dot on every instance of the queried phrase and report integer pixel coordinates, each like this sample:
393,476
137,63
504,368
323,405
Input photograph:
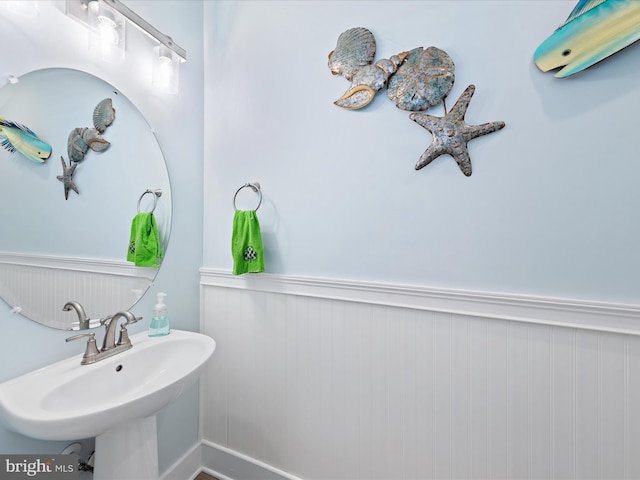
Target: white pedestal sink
114,400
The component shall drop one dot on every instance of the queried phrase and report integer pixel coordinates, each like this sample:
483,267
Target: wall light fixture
107,37
166,70
108,20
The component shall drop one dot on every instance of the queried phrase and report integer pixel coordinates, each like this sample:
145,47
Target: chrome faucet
83,320
109,345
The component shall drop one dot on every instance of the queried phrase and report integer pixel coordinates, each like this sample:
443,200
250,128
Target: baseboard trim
572,313
187,467
224,464
227,464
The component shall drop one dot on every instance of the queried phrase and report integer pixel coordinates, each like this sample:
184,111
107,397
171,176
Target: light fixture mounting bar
146,27
78,9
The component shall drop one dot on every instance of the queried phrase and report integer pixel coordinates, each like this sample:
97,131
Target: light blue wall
548,210
550,207
54,40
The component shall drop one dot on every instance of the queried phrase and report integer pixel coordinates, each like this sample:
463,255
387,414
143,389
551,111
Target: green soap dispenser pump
159,325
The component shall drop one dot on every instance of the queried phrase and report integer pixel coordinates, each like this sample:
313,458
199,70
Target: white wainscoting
331,380
40,285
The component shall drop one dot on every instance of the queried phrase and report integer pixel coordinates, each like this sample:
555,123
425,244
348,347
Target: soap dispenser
159,325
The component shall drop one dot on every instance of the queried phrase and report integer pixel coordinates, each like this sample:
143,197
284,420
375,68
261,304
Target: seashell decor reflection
415,80
103,115
83,139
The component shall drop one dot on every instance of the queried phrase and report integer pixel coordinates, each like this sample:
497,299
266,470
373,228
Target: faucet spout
109,341
83,320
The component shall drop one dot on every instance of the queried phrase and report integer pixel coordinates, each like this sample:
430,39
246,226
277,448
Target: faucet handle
91,351
124,334
136,319
123,339
78,337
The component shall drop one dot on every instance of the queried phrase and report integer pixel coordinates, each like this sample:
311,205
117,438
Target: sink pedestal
128,451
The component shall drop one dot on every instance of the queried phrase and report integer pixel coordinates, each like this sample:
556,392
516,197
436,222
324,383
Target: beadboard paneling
329,389
40,285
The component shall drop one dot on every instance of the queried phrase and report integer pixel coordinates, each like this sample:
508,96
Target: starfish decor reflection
451,134
67,177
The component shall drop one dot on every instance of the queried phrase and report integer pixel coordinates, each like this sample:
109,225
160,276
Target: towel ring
255,186
156,194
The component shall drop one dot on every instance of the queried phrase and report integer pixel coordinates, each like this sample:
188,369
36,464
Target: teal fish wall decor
18,137
594,30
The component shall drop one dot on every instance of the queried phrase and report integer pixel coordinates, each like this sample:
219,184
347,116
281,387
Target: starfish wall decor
415,80
451,134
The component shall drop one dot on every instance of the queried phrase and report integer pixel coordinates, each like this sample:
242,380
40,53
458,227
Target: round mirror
57,245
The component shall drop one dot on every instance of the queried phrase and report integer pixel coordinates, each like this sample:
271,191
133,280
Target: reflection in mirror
55,250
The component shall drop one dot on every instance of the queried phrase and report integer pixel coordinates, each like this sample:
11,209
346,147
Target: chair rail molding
563,312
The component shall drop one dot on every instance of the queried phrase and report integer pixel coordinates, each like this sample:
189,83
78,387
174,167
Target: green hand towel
246,243
144,244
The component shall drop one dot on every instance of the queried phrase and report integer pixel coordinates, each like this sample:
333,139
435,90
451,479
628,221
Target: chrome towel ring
255,186
156,194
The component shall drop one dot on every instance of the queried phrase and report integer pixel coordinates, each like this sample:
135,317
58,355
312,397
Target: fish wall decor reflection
594,30
18,137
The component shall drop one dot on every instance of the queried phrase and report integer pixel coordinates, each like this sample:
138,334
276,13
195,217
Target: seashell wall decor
415,80
423,80
353,59
83,139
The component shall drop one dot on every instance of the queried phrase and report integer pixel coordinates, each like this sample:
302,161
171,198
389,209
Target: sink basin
69,401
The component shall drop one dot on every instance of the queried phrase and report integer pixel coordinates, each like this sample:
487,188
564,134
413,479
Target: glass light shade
166,70
108,32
